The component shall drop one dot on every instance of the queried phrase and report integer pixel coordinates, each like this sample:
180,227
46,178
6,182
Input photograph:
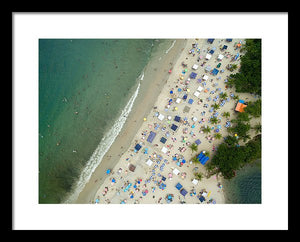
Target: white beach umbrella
220,57
149,162
196,93
199,88
161,117
208,56
195,67
176,171
164,150
195,181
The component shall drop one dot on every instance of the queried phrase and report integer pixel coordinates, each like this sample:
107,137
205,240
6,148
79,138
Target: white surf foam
141,77
102,148
172,45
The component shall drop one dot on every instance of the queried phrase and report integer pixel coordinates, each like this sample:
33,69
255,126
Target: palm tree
207,153
214,120
193,147
198,176
195,159
230,83
257,128
218,136
233,67
223,95
236,97
216,106
226,114
206,130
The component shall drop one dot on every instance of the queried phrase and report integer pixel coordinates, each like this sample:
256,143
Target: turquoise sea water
84,84
245,187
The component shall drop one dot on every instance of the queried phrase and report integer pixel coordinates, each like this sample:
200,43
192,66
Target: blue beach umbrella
107,171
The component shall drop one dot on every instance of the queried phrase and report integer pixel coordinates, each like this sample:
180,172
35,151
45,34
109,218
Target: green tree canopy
254,108
248,79
230,158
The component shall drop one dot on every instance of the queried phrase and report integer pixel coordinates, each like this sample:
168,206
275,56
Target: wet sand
155,77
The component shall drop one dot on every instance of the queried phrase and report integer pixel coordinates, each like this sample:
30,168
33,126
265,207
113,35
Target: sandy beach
159,168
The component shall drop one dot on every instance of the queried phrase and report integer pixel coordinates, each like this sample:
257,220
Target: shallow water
245,187
84,84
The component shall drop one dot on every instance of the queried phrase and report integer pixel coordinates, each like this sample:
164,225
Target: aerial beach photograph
129,121
150,121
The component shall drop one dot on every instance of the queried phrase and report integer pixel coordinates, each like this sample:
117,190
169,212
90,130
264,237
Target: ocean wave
173,43
141,77
103,147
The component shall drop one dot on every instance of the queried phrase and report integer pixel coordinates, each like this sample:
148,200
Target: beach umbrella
171,92
179,89
107,171
237,55
145,119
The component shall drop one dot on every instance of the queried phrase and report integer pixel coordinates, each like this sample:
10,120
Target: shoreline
155,74
101,189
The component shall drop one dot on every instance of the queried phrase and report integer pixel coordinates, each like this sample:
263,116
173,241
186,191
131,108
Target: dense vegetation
230,157
254,108
248,79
